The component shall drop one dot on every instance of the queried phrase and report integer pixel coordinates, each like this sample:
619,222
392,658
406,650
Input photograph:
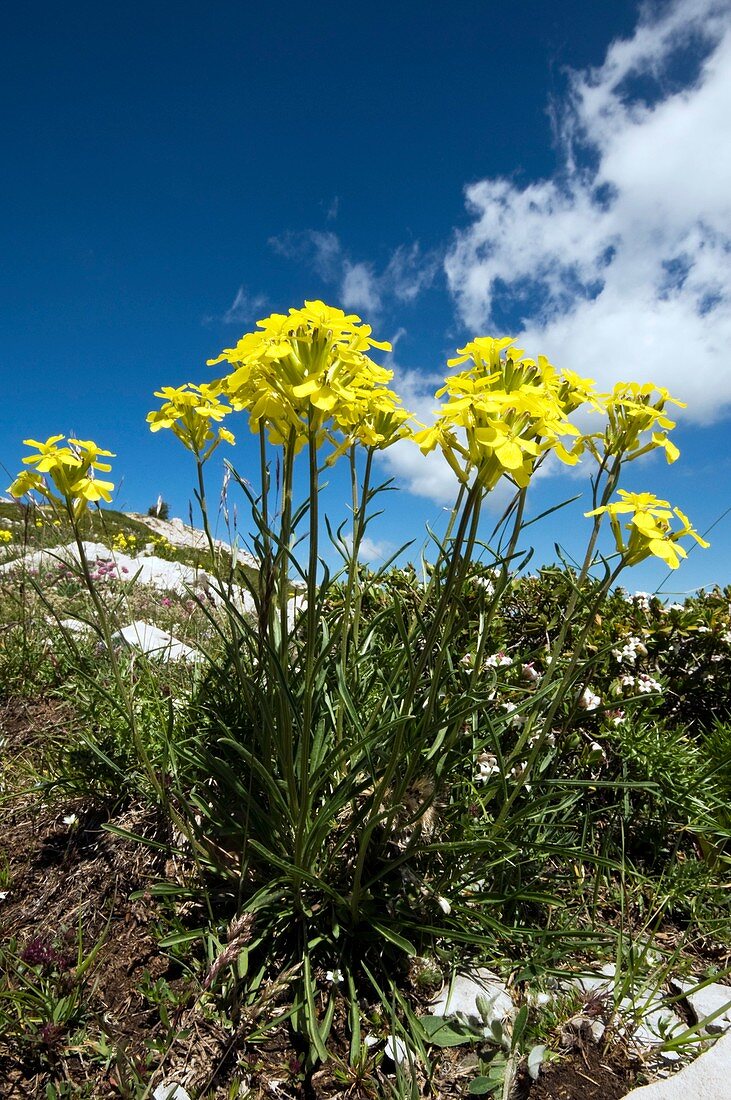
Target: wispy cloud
622,260
317,249
360,289
376,551
244,307
359,284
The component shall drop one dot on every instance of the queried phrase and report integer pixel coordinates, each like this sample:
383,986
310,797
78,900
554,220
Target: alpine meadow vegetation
368,778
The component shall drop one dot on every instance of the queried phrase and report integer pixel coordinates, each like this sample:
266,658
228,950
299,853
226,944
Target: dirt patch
589,1074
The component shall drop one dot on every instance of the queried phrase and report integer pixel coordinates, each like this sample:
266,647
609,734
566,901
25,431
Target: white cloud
320,250
426,476
359,289
623,269
244,307
408,272
377,551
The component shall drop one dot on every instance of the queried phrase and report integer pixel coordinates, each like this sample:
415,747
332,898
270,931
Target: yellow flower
650,528
505,412
5,536
89,453
51,457
70,469
634,412
27,481
189,411
308,375
92,489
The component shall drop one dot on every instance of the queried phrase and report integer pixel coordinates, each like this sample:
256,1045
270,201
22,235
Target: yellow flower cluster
650,530
71,469
127,544
309,374
504,412
5,536
632,411
189,411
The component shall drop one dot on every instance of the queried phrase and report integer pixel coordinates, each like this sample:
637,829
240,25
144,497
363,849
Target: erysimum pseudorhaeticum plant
351,779
348,772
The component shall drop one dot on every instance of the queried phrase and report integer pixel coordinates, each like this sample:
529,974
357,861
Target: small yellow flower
70,473
190,411
650,528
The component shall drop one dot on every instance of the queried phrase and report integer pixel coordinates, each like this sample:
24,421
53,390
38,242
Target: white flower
529,673
630,651
487,765
334,976
71,819
518,719
443,904
486,583
498,660
588,700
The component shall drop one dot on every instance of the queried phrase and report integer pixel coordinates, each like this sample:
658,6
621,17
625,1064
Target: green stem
557,648
467,530
305,741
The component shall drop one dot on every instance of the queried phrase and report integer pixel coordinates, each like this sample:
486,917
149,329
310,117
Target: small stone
539,998
581,1028
75,626
396,1050
601,981
656,1026
462,997
170,1091
154,642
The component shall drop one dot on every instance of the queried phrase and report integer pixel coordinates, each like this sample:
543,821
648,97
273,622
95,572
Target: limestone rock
707,1078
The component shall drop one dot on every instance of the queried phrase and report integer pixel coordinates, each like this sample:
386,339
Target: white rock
396,1050
154,642
178,533
164,575
75,626
707,1078
170,1091
466,988
658,1024
601,981
707,1001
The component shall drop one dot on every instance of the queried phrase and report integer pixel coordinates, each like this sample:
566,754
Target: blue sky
559,172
